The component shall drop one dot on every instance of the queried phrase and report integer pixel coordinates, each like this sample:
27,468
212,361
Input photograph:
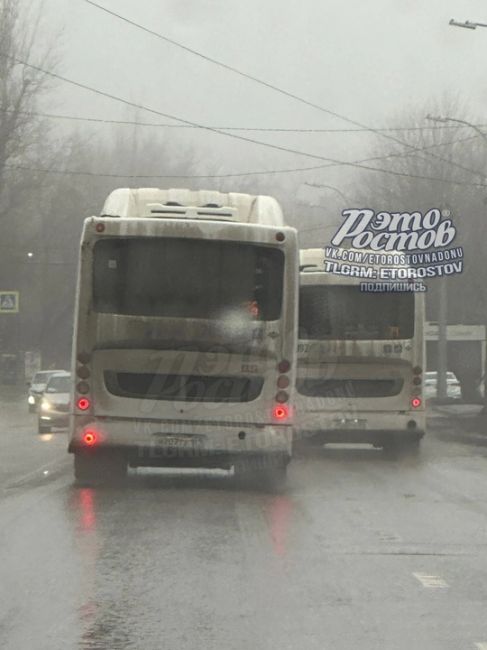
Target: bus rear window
346,313
187,278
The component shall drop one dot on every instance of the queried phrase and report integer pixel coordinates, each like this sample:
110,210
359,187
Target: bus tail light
284,366
90,438
282,381
83,387
83,372
281,412
417,381
416,402
83,403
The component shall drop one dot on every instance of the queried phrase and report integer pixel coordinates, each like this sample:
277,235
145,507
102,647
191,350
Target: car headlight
46,405
31,399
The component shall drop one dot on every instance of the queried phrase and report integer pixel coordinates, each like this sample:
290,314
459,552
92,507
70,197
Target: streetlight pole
484,136
442,363
442,340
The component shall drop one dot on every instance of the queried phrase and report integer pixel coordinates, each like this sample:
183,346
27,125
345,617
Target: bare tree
22,132
447,170
91,167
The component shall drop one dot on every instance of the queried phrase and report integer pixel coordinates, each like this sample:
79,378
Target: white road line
26,477
431,582
481,646
389,537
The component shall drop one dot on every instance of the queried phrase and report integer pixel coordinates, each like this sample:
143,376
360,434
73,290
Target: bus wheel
97,469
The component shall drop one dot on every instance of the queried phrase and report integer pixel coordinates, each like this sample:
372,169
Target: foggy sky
367,60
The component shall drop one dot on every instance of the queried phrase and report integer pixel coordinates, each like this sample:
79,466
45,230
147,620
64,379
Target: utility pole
444,298
441,386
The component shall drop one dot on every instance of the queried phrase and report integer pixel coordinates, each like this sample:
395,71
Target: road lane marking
430,582
481,646
19,482
389,537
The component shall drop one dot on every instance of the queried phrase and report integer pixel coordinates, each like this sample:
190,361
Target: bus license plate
179,442
350,423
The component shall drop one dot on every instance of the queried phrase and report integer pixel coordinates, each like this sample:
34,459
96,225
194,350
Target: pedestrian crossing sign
9,302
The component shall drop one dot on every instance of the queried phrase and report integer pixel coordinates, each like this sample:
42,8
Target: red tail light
280,412
90,438
416,402
83,403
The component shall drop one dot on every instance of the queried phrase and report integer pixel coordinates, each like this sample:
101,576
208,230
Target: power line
266,84
67,172
211,129
127,102
259,172
167,125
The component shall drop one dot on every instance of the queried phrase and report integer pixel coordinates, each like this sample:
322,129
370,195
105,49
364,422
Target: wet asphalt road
361,551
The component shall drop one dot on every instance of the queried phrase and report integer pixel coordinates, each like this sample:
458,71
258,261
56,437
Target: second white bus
361,357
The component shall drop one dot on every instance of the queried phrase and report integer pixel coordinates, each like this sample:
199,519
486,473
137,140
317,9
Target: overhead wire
167,125
269,85
220,132
73,172
154,111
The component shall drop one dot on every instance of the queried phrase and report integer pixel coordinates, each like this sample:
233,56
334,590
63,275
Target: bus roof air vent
150,202
170,208
219,211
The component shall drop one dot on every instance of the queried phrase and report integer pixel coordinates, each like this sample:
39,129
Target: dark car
54,405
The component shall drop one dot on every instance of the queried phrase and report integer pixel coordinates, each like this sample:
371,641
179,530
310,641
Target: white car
54,405
453,388
37,387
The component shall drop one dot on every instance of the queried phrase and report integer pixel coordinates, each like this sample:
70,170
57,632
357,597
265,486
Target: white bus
185,335
361,358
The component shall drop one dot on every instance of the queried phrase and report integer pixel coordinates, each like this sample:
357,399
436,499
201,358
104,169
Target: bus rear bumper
362,427
165,444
